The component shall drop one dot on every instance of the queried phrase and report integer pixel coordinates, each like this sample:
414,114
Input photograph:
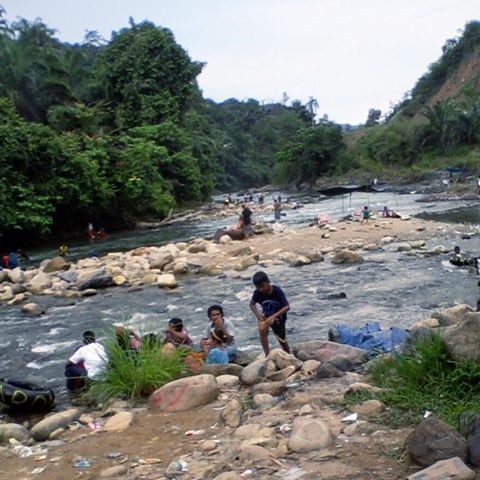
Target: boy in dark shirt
275,306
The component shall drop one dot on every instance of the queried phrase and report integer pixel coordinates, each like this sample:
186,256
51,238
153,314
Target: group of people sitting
217,345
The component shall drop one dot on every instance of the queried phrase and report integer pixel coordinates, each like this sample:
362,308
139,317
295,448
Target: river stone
119,422
451,469
32,309
325,351
300,261
7,294
218,369
283,359
197,247
368,407
159,260
16,275
462,340
359,387
56,264
453,315
68,276
263,401
185,393
228,381
232,413
225,239
283,374
39,283
119,280
253,453
434,440
208,445
18,299
241,252
327,370
43,429
272,388
247,431
309,434
347,256
114,472
473,450
94,279
404,247
149,279
167,280
315,256
14,430
257,371
228,476
89,292
3,275
417,243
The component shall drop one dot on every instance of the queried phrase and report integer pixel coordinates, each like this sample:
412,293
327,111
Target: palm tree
312,107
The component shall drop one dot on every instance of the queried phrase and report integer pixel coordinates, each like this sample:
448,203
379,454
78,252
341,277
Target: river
390,287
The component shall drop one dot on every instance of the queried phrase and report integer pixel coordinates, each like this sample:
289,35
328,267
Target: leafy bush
135,374
427,378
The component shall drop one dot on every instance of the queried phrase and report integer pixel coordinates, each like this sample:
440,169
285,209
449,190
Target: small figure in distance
217,352
274,306
385,212
277,210
63,250
247,221
365,214
225,326
176,334
89,361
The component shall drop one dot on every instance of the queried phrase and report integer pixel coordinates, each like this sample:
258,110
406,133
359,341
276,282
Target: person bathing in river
224,326
217,352
365,214
247,221
274,305
176,334
88,361
277,210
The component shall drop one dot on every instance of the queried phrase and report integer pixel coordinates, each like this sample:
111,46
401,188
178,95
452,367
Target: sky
350,55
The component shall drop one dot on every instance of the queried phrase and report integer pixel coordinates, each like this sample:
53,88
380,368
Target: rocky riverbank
165,266
283,416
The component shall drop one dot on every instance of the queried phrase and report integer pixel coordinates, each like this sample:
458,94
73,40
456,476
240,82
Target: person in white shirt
88,361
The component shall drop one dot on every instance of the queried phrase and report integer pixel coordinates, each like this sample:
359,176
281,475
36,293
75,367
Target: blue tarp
372,338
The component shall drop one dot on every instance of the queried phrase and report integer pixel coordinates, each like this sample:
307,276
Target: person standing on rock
247,221
277,210
224,327
274,306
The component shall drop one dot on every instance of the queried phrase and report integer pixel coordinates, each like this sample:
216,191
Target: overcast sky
351,55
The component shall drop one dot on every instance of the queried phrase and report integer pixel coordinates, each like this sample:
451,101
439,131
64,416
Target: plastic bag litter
23,451
188,433
82,463
350,418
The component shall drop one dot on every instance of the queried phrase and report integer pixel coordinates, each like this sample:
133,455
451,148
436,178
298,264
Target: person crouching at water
217,352
274,306
176,334
225,326
89,361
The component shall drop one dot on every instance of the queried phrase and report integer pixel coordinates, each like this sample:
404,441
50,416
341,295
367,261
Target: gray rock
89,292
185,393
159,260
452,315
113,472
274,389
244,358
118,422
462,339
473,450
451,469
69,276
56,264
368,407
327,370
32,309
43,429
39,283
253,453
228,381
283,374
16,275
16,431
263,401
232,413
257,371
347,256
434,440
283,359
96,280
167,280
325,351
309,434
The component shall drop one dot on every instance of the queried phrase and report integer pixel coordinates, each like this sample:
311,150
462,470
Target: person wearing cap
225,326
217,352
176,334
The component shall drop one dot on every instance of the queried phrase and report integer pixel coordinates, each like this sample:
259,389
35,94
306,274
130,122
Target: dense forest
115,131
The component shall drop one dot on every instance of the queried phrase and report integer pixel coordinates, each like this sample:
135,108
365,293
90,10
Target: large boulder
462,340
452,315
39,283
325,351
55,265
16,275
185,394
94,278
347,256
309,434
233,234
43,429
257,371
14,430
434,440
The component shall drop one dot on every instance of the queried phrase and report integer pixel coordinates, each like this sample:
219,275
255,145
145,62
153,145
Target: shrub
427,378
132,375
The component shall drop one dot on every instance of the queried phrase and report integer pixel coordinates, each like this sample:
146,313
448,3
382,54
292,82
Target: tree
312,107
373,117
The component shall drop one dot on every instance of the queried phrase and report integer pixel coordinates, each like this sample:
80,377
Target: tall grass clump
132,375
428,378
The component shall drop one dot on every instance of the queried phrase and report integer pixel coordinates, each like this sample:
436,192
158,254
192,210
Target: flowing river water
390,287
